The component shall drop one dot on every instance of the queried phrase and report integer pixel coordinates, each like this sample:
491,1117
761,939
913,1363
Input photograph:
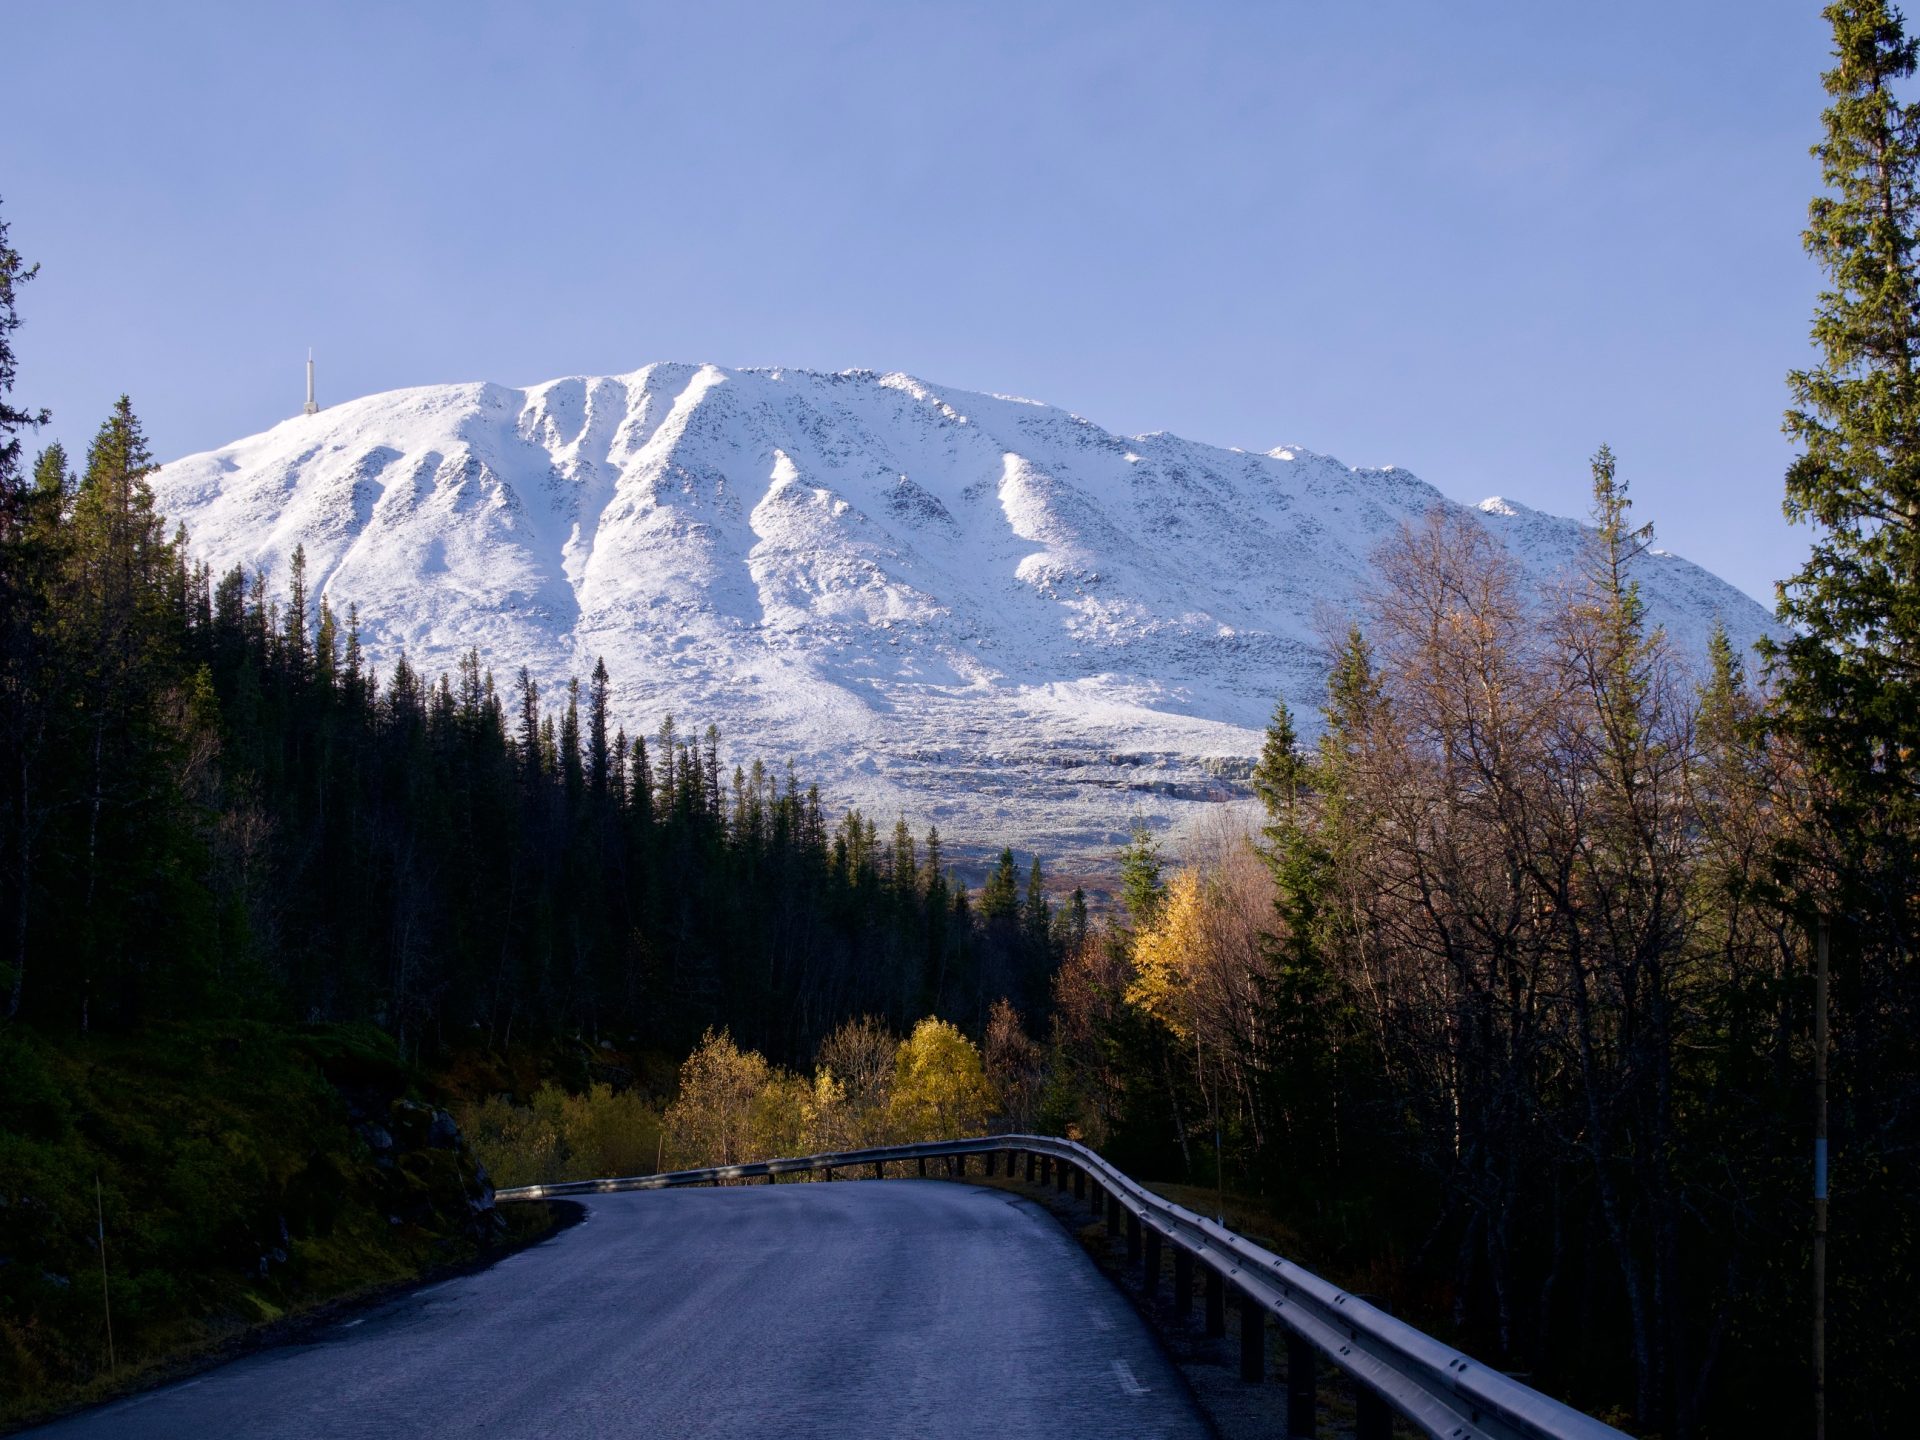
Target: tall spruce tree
528,734
1849,677
570,772
299,658
25,706
51,478
1000,896
599,755
14,272
1278,773
1142,890
1036,914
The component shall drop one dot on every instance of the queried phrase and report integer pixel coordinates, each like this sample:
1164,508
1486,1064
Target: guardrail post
1150,1264
1046,1169
1216,1303
829,1170
1182,1281
1133,1237
960,1167
1113,1214
1079,1184
1301,1400
923,1167
989,1162
769,1177
1253,1340
879,1169
1372,1417
1030,1161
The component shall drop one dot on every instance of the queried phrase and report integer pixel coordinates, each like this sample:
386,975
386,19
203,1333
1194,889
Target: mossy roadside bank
528,1224
251,1180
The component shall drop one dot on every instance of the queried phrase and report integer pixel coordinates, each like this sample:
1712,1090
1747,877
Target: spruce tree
903,866
1849,674
549,747
353,685
1000,896
1036,915
640,799
1073,922
26,707
294,641
51,478
1625,646
123,632
1142,890
570,769
529,731
1353,695
1277,774
14,272
326,651
599,756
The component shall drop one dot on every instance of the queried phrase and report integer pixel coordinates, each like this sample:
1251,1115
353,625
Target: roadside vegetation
240,1173
868,1087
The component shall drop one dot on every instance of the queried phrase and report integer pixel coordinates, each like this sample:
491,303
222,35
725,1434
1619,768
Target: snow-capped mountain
968,609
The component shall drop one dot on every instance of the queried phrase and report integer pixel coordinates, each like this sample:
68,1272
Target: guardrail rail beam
1395,1368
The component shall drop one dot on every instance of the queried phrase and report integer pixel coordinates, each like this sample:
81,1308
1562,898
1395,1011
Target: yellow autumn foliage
715,1117
868,1089
940,1088
1165,954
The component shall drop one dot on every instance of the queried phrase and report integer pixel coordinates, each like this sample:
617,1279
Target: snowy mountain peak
973,609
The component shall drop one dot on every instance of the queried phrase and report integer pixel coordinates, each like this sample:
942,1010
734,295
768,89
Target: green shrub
557,1136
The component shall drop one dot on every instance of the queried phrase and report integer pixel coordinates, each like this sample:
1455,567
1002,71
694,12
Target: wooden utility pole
1820,1184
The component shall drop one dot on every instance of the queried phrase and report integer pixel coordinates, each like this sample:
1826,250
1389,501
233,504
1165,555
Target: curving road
901,1307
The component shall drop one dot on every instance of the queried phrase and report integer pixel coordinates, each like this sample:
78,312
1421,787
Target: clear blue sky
1471,239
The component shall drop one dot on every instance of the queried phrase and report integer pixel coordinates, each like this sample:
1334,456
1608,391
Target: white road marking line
431,1288
1123,1372
348,1325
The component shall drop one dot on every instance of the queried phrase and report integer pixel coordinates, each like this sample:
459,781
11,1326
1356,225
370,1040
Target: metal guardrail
1395,1367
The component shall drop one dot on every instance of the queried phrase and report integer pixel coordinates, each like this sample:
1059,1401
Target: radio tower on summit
312,409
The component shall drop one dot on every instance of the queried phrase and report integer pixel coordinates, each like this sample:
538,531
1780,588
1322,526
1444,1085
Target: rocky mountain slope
974,610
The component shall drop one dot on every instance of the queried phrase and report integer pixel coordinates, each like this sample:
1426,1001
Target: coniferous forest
1506,1005
217,802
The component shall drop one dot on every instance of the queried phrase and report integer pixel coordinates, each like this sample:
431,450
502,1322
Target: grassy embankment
246,1173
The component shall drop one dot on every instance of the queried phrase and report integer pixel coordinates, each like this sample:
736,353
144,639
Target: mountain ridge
977,610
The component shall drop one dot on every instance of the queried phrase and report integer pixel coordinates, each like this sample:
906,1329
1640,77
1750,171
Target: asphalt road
898,1307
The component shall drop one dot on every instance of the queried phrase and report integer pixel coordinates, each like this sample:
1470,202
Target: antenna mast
312,409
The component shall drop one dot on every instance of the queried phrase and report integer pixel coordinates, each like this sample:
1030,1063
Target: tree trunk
26,880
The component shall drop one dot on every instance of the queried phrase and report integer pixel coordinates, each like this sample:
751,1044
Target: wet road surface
897,1307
